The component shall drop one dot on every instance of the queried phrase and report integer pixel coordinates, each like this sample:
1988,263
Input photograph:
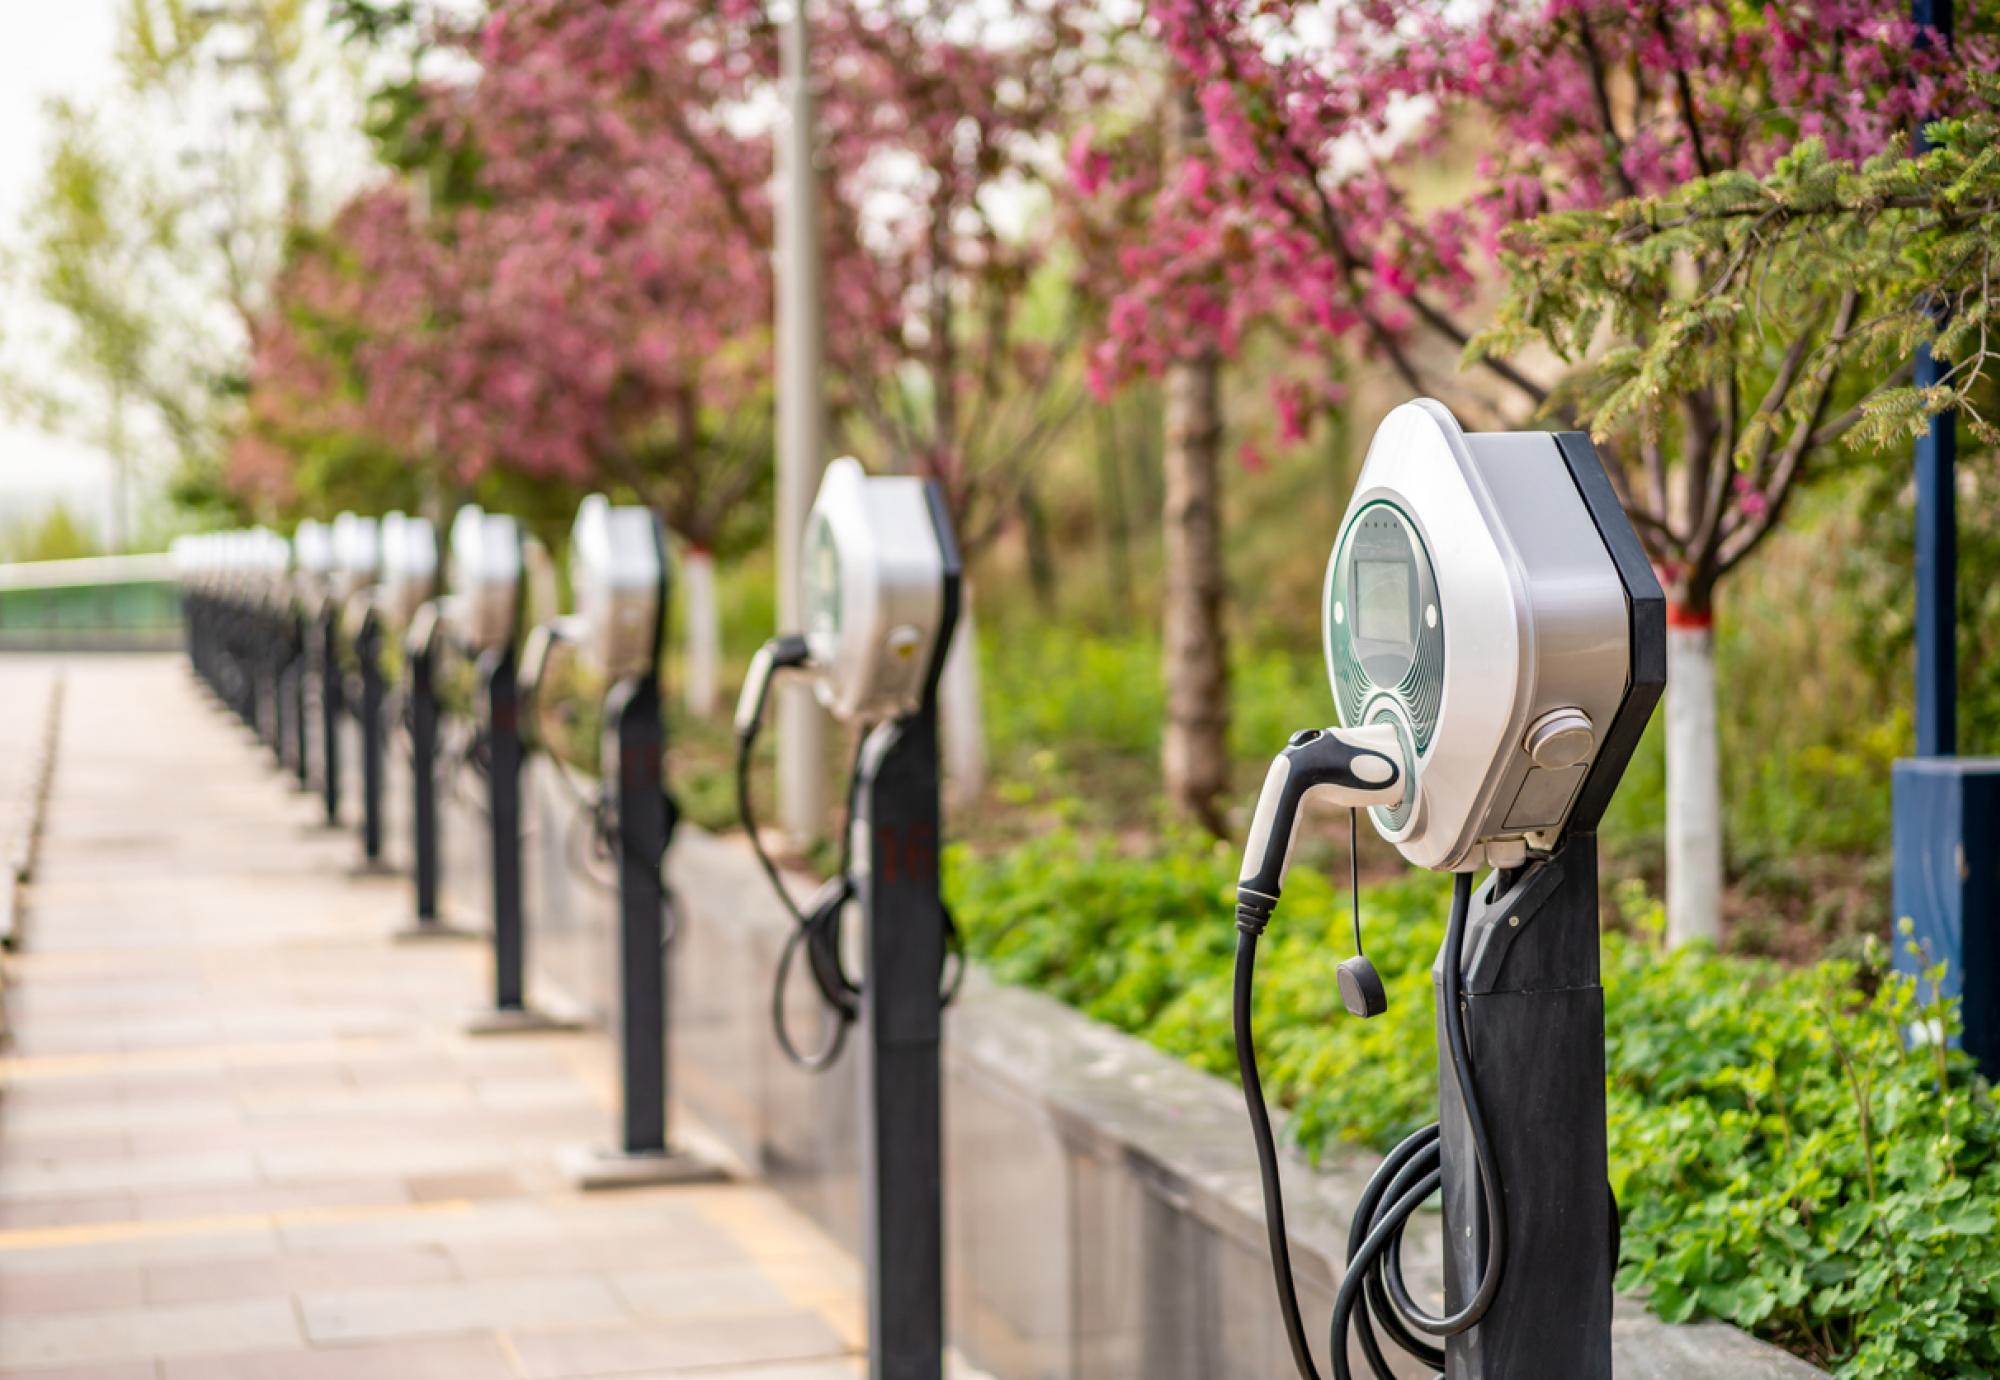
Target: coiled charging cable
594,831
1373,1293
816,927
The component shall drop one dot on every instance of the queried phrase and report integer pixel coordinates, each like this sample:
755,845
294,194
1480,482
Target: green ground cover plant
1783,1157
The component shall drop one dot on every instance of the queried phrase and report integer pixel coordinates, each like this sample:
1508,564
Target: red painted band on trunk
1693,621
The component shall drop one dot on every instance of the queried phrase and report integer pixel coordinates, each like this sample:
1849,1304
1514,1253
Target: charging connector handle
536,653
779,654
1352,767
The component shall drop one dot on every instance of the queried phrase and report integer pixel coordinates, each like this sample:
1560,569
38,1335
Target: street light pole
801,420
1937,513
1945,808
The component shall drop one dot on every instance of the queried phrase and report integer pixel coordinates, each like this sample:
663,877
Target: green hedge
1782,1158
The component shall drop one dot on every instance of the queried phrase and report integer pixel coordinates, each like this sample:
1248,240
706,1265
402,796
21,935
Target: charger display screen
1382,601
820,586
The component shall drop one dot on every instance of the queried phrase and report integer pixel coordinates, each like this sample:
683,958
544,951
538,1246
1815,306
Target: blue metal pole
1946,807
1937,520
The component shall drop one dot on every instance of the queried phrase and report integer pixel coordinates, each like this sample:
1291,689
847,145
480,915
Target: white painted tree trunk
961,711
701,667
1694,790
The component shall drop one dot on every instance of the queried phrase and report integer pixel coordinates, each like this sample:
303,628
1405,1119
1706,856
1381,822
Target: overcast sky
55,48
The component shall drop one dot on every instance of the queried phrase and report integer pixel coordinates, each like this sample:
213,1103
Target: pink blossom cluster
607,278
1306,209
605,294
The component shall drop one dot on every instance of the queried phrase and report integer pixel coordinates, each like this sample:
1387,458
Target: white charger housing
618,573
272,555
1480,600
485,603
357,554
409,566
873,587
312,550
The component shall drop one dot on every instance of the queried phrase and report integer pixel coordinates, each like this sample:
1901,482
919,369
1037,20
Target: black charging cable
1373,1292
594,830
817,926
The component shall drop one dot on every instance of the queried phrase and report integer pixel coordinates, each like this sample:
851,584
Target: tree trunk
1694,792
1194,752
961,710
1118,522
702,668
1041,560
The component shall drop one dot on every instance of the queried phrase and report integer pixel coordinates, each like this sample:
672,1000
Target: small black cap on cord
1361,989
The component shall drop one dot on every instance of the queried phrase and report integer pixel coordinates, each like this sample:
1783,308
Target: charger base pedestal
1534,1023
431,931
592,1169
634,750
519,1020
900,1029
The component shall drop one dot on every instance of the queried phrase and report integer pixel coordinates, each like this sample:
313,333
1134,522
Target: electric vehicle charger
1459,556
879,590
619,579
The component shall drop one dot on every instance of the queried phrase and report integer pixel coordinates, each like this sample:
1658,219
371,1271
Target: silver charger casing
274,569
312,549
246,566
1471,602
483,610
409,567
872,587
357,554
618,573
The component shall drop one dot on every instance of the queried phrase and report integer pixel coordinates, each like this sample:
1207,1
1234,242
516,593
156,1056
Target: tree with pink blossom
591,302
1298,216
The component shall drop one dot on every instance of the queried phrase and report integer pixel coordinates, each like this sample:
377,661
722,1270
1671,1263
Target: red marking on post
1691,619
908,854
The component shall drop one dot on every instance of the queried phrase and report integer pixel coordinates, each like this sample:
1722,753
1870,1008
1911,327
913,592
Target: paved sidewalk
242,1139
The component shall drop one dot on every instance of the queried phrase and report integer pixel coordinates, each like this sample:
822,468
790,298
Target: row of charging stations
291,636
881,589
1494,641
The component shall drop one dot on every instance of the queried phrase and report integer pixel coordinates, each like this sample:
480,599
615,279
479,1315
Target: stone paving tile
955,1368
241,1136
262,1196
115,1370
344,1315
126,1334
29,1213
696,1291
69,1291
139,1172
578,1353
192,1281
676,1244
472,1186
458,1358
111,1244
22,1146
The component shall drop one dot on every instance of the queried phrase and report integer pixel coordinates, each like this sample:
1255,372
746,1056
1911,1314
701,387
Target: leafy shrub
1783,1159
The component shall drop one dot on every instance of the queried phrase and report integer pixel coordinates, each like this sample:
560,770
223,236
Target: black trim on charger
1646,610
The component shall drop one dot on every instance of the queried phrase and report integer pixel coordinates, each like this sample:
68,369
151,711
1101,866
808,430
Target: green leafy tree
56,535
1824,280
1761,326
163,211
